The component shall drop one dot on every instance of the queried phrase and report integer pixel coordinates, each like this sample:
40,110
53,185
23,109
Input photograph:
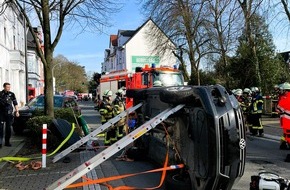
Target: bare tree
250,8
224,29
183,22
80,14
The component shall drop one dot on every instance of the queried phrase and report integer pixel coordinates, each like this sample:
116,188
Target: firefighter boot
119,132
107,140
113,136
284,145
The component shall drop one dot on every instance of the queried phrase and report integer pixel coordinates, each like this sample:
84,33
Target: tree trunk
247,10
182,67
48,88
48,54
198,77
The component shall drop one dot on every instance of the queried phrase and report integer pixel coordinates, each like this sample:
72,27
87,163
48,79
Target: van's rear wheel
177,94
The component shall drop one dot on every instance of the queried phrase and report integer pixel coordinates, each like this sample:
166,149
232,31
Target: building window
14,42
5,36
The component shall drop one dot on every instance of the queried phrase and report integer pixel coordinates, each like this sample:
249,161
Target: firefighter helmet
238,92
286,86
247,90
108,93
255,89
157,83
120,91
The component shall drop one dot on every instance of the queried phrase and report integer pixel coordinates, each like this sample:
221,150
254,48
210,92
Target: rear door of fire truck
112,81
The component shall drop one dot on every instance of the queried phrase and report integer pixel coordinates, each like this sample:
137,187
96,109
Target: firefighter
238,94
119,106
245,105
106,111
256,108
283,109
276,92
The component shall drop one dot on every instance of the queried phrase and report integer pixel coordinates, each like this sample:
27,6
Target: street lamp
53,78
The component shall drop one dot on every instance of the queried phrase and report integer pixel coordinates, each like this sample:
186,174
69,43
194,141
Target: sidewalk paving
17,144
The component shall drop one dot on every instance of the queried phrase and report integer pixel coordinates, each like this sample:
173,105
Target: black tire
175,181
18,130
139,94
131,93
177,95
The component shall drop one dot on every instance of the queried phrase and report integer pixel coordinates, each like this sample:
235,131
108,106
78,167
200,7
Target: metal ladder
93,134
113,149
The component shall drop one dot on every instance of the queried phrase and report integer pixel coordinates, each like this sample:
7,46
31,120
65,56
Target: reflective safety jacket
106,110
256,104
283,108
119,107
245,104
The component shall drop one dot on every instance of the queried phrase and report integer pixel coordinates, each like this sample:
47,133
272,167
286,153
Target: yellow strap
34,158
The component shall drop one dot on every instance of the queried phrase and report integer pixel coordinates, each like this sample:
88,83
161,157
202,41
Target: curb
272,137
266,136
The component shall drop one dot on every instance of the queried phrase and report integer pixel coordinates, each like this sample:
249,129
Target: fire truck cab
142,78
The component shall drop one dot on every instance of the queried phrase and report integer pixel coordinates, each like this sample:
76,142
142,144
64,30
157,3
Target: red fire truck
140,79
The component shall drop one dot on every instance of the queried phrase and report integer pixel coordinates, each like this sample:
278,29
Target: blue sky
88,48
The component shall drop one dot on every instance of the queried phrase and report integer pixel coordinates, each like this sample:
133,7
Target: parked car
37,103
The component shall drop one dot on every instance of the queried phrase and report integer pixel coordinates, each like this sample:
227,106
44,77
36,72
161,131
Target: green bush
35,123
65,113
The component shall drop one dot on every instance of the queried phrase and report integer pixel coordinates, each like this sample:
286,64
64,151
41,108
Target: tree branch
285,6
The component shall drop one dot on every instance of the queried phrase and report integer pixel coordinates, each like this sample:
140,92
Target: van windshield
169,78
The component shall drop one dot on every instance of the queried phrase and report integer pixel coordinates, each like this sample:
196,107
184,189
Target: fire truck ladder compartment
113,149
92,135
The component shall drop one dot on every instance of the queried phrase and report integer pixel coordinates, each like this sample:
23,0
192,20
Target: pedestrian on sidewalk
8,104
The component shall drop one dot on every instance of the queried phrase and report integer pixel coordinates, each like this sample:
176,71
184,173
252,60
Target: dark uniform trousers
5,120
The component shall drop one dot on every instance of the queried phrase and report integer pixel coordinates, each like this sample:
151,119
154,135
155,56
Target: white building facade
137,49
34,65
12,52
